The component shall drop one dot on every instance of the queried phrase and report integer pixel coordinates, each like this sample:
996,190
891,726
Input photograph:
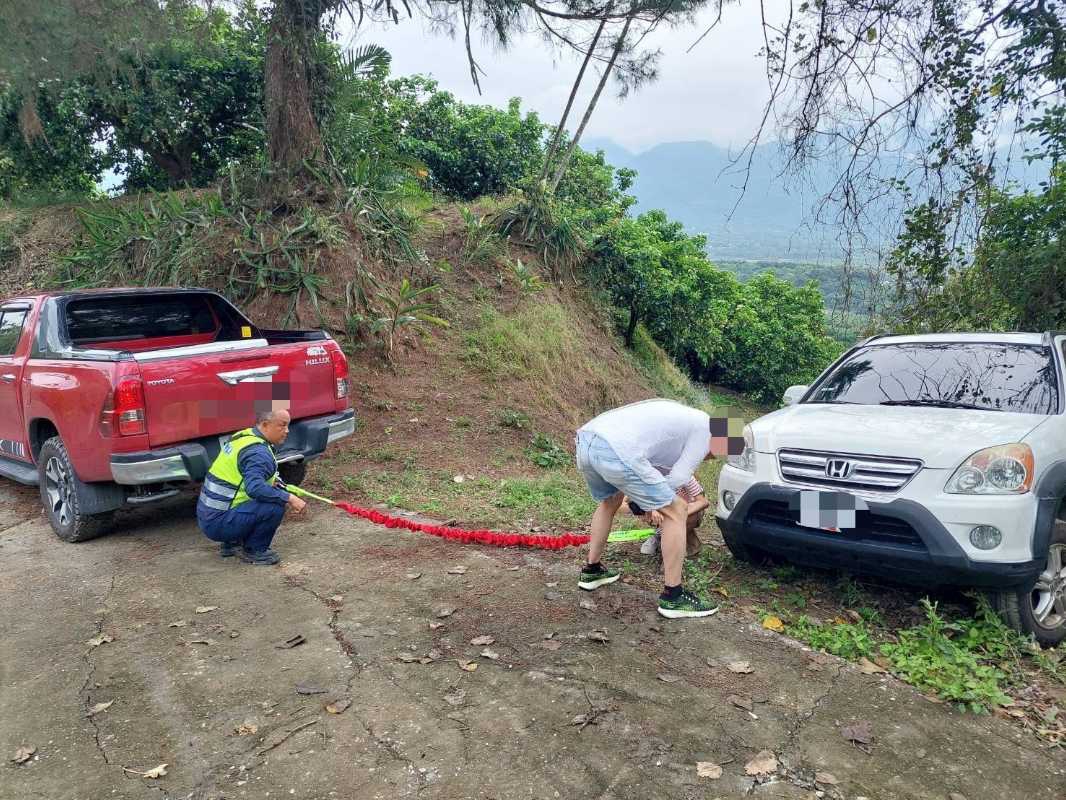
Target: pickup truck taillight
340,373
128,407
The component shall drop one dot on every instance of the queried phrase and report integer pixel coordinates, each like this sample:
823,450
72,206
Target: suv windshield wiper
936,404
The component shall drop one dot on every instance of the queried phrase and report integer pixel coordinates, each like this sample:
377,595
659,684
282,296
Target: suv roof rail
871,338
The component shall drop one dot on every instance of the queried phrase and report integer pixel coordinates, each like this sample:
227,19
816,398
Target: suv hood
941,437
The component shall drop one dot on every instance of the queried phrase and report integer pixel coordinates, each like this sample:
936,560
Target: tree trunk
632,327
293,136
561,169
557,137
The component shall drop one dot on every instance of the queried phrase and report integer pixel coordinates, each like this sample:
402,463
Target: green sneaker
594,580
686,605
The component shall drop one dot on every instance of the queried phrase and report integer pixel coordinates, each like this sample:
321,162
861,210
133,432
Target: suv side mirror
793,394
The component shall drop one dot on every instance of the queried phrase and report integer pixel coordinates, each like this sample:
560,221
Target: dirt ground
197,681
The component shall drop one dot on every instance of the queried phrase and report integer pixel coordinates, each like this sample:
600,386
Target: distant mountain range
701,185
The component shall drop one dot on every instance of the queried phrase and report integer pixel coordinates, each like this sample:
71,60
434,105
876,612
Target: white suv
952,450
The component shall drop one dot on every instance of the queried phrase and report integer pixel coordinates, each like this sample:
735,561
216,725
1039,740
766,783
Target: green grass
535,342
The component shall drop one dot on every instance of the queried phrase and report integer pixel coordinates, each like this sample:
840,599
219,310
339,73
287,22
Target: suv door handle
7,377
240,375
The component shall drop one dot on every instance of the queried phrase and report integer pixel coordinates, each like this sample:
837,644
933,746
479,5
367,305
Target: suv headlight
746,460
1006,469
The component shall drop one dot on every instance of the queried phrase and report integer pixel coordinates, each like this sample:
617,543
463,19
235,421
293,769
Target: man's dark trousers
251,524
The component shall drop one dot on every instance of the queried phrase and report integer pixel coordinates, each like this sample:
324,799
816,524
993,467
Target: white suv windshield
993,377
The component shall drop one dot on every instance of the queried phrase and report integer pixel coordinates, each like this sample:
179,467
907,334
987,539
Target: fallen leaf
413,576
492,655
740,667
24,754
306,688
103,638
155,772
860,733
580,719
854,616
246,729
339,598
551,645
458,479
234,634
407,658
459,570
455,697
338,706
478,641
513,569
867,667
291,642
588,605
466,666
202,641
205,610
708,769
599,636
773,623
721,590
445,611
178,624
826,778
764,763
549,635
741,702
98,708
436,626
552,584
666,678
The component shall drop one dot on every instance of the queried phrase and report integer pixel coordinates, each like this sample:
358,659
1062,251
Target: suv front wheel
1040,611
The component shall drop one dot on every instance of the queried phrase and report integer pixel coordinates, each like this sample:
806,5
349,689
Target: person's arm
256,467
699,504
697,445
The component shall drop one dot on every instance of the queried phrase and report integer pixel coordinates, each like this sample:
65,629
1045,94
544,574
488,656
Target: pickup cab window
989,377
11,321
96,320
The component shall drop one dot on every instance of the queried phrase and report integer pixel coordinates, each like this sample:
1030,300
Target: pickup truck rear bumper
189,461
927,555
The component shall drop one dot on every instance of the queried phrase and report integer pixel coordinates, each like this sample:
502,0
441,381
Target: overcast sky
714,93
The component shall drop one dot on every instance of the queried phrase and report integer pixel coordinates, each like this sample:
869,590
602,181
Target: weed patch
546,452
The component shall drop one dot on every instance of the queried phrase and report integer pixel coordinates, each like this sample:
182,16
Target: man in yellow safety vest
240,504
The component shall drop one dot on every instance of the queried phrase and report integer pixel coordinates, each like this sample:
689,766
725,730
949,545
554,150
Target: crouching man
240,505
646,451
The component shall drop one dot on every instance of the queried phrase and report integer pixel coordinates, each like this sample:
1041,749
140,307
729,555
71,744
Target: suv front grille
862,473
871,527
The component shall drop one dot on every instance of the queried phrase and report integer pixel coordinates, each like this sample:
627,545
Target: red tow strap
494,538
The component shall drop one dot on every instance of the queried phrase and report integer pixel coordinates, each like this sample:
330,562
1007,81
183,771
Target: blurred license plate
831,512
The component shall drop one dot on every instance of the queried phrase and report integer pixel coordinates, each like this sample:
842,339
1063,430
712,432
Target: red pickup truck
116,397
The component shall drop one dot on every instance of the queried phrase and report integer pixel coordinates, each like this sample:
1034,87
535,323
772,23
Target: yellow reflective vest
224,479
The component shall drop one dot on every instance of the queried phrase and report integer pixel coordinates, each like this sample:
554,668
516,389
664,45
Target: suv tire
59,495
743,552
1041,610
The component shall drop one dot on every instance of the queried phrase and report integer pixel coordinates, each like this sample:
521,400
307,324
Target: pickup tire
1040,610
293,472
60,497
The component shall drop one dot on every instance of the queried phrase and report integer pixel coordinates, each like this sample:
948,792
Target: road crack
90,664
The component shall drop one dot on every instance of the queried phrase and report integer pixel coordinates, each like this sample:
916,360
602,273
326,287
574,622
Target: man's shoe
260,557
686,605
594,580
650,546
228,549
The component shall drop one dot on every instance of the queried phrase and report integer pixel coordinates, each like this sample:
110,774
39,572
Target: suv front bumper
189,461
905,542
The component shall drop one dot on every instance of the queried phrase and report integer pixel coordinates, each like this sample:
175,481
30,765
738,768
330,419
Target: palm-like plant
405,306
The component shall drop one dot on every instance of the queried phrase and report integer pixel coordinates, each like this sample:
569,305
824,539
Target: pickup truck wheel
293,472
59,494
1040,611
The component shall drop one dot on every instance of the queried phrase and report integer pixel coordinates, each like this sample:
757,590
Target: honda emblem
839,469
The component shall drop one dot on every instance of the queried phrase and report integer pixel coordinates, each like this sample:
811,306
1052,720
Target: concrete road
543,711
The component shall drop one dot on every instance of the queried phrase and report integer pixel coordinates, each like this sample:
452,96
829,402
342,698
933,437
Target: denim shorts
607,475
